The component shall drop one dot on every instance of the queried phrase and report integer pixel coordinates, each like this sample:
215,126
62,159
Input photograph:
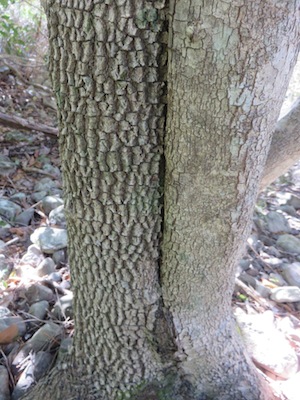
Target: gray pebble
289,243
39,309
37,292
286,294
33,256
55,276
49,239
37,365
277,223
18,197
9,210
57,216
46,267
59,257
4,387
294,201
64,307
291,273
38,196
49,203
45,185
24,217
7,321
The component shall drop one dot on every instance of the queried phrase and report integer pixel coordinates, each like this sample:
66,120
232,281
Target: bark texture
145,330
108,68
229,67
285,146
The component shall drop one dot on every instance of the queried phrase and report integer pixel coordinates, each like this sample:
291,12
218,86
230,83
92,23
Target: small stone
46,267
4,312
65,285
37,366
24,217
47,337
33,256
289,210
45,185
262,290
4,387
244,264
37,292
64,307
277,223
286,294
253,271
291,273
267,240
6,322
49,203
59,257
51,169
57,216
55,276
39,309
39,196
50,239
18,197
248,279
294,201
7,166
289,243
273,252
9,210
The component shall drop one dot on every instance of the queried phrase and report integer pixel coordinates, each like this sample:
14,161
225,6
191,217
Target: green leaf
4,3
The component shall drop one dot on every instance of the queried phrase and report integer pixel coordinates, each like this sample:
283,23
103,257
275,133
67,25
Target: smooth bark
152,327
285,146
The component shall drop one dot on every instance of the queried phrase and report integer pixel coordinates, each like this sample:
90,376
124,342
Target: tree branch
20,123
285,146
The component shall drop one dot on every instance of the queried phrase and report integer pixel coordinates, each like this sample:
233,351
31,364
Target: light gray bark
229,66
146,330
285,146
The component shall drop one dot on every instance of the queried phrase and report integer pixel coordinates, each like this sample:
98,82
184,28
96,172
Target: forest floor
36,316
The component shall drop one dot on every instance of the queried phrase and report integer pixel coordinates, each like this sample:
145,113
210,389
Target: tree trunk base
67,382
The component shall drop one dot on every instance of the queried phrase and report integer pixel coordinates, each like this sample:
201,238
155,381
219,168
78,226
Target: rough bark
146,330
226,86
108,67
284,149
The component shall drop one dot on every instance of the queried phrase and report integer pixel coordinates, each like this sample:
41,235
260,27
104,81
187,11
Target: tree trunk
226,87
285,146
148,328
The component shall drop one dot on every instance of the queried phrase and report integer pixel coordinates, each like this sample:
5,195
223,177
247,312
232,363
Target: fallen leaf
9,334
